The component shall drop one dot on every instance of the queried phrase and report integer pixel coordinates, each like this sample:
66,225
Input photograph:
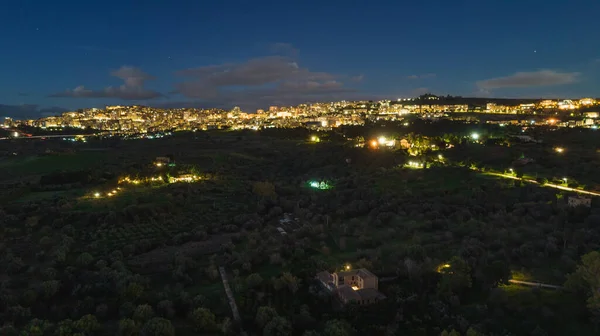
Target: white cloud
132,89
530,79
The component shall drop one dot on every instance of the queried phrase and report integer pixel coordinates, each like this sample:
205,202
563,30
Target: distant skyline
59,56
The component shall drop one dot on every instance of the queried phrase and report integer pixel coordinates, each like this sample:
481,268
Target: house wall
370,282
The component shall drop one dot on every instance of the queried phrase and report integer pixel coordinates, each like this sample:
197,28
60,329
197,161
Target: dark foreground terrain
97,239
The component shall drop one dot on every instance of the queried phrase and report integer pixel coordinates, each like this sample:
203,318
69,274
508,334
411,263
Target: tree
87,324
254,280
264,189
165,309
278,326
456,277
143,313
451,333
473,332
127,327
203,319
337,328
84,259
291,281
264,315
587,278
158,326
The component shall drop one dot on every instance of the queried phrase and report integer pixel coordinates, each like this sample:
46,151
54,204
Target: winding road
549,185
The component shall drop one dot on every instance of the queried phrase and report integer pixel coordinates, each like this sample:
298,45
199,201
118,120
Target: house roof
370,293
362,272
348,293
325,277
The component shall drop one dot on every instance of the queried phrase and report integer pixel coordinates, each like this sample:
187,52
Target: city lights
559,149
96,194
315,138
475,136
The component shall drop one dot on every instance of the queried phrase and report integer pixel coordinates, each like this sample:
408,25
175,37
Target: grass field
51,163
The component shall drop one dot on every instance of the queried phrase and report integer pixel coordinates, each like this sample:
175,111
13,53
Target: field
163,241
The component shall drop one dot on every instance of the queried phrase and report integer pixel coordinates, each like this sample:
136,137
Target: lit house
358,286
575,201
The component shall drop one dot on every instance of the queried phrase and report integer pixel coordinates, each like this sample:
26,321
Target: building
357,286
575,201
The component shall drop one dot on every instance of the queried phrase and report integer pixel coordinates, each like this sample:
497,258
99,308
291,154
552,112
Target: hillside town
322,116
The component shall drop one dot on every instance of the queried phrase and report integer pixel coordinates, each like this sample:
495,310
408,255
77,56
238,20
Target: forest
85,254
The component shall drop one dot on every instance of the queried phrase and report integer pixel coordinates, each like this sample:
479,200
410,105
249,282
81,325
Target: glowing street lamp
440,156
96,194
559,149
382,140
347,267
565,179
475,136
315,138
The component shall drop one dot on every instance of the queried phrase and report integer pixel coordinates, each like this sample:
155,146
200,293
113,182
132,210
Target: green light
319,185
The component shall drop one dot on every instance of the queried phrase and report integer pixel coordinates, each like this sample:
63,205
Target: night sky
57,55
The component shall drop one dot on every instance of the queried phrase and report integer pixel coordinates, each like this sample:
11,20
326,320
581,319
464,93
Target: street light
565,179
475,136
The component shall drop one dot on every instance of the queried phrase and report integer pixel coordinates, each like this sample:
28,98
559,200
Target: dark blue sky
75,54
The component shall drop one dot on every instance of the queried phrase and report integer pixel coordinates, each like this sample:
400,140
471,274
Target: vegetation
444,240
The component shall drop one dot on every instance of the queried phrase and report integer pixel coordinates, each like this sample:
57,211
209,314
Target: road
48,136
534,284
231,299
549,185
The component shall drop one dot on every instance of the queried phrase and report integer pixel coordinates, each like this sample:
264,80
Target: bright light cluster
414,164
319,185
188,178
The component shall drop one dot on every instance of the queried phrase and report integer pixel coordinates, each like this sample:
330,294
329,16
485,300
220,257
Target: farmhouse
358,286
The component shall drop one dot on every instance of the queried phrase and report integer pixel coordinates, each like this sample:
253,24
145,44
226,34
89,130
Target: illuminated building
566,105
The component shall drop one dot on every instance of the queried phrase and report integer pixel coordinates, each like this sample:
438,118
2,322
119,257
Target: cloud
530,79
259,82
424,76
132,89
29,111
357,79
